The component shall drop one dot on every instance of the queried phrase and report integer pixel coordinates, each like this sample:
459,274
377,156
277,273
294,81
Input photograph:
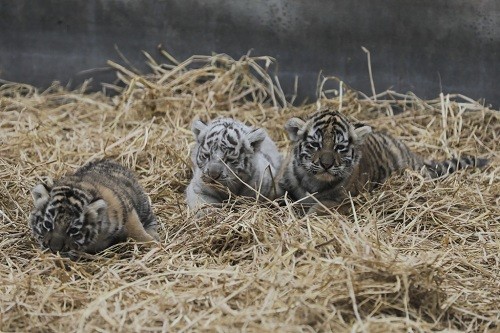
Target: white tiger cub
230,158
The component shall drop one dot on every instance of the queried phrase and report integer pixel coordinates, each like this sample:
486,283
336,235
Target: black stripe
376,152
343,126
467,160
213,133
51,211
231,139
319,117
319,124
391,157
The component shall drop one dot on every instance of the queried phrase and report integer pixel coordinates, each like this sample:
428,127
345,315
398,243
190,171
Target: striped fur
332,157
98,206
230,158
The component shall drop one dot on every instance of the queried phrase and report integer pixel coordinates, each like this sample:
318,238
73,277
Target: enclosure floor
418,255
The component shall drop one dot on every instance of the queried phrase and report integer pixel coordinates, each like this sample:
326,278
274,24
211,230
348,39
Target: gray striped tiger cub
101,204
332,157
230,158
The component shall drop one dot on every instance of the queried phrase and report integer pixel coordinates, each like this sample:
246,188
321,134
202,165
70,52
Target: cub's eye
203,156
47,224
233,162
313,145
341,148
77,237
73,230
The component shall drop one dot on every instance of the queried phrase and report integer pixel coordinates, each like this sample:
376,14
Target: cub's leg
135,230
201,202
206,208
152,232
328,206
197,196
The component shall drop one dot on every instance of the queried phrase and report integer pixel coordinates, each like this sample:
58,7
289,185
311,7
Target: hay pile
418,255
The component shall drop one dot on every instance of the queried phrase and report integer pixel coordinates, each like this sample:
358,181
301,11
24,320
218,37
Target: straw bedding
417,255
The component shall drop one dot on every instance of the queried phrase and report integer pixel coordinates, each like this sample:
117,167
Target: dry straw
417,256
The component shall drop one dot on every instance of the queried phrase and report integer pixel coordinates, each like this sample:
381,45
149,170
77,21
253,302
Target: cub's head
224,150
326,144
65,218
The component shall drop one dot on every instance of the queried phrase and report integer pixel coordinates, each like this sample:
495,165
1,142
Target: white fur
97,210
265,161
40,196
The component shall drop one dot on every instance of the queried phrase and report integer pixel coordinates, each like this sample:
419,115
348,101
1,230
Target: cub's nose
57,244
215,171
326,161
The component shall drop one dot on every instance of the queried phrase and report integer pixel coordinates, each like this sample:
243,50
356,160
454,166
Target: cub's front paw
328,208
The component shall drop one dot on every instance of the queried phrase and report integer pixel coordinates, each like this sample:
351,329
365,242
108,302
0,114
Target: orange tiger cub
333,157
101,204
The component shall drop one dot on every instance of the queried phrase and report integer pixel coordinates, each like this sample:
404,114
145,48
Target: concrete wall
425,46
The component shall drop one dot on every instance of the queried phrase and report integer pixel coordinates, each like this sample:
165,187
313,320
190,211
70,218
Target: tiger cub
98,206
332,157
230,158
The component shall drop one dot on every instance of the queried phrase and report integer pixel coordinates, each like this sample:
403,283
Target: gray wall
425,46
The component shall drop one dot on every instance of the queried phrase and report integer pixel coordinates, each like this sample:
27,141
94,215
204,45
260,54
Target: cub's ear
256,137
96,210
361,131
198,127
293,126
40,194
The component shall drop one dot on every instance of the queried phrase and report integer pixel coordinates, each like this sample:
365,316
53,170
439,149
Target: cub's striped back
332,157
99,205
